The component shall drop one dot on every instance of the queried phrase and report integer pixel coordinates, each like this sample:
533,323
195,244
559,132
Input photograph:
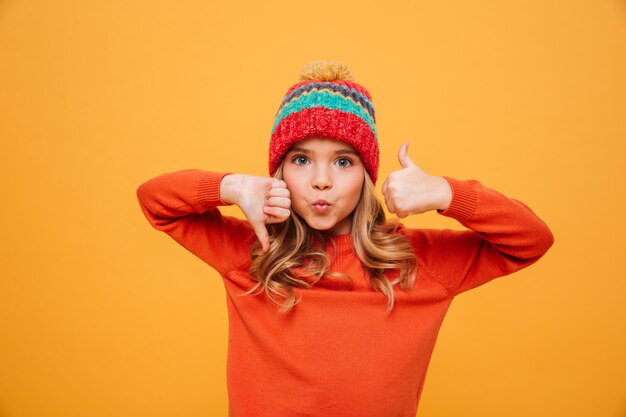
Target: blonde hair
292,253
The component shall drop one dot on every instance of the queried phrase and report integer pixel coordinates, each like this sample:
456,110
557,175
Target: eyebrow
337,152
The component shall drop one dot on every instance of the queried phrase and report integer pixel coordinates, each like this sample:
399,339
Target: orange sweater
338,353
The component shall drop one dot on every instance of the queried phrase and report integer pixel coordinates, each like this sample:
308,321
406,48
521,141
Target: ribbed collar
343,244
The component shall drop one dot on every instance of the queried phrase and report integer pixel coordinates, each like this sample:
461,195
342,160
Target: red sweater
338,353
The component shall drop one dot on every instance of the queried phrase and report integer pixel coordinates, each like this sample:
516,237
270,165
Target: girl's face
324,169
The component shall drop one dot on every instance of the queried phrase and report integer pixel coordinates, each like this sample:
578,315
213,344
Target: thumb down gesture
263,201
410,190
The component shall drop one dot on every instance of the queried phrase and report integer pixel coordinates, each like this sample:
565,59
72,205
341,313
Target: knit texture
340,109
338,353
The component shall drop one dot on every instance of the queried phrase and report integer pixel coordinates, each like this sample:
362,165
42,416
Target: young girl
333,310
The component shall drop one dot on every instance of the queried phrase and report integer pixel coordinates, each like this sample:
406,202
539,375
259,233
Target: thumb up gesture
263,200
410,190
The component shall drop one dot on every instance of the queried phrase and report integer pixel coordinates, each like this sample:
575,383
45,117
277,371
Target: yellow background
101,315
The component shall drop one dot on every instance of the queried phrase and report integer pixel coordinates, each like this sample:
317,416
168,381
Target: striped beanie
326,103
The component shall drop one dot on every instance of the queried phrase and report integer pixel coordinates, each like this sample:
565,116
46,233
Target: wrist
446,194
229,188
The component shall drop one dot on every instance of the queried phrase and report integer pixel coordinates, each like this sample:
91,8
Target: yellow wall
101,315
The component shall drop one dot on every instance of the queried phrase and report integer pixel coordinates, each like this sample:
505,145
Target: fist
277,202
410,190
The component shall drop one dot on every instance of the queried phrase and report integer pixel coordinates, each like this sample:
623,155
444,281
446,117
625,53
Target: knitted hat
327,104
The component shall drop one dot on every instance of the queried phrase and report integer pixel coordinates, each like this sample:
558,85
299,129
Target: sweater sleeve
504,236
184,204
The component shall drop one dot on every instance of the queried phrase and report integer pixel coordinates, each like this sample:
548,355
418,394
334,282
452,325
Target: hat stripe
327,99
355,95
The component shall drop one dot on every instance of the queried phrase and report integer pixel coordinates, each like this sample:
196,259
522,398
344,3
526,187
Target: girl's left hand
412,191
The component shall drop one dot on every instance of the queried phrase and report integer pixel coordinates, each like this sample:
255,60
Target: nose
322,179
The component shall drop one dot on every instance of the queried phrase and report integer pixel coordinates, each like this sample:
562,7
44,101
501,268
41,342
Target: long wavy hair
293,253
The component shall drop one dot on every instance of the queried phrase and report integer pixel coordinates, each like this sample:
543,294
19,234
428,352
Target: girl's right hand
263,200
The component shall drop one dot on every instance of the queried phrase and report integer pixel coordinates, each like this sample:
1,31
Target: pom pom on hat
325,71
326,103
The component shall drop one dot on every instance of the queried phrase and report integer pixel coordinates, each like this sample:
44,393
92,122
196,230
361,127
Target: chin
321,227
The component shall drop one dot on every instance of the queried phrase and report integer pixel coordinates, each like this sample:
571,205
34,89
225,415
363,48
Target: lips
321,203
321,206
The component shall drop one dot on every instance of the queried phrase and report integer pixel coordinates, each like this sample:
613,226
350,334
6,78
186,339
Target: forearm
176,194
507,223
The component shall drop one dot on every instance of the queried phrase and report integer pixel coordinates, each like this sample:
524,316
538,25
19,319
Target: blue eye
349,162
299,158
